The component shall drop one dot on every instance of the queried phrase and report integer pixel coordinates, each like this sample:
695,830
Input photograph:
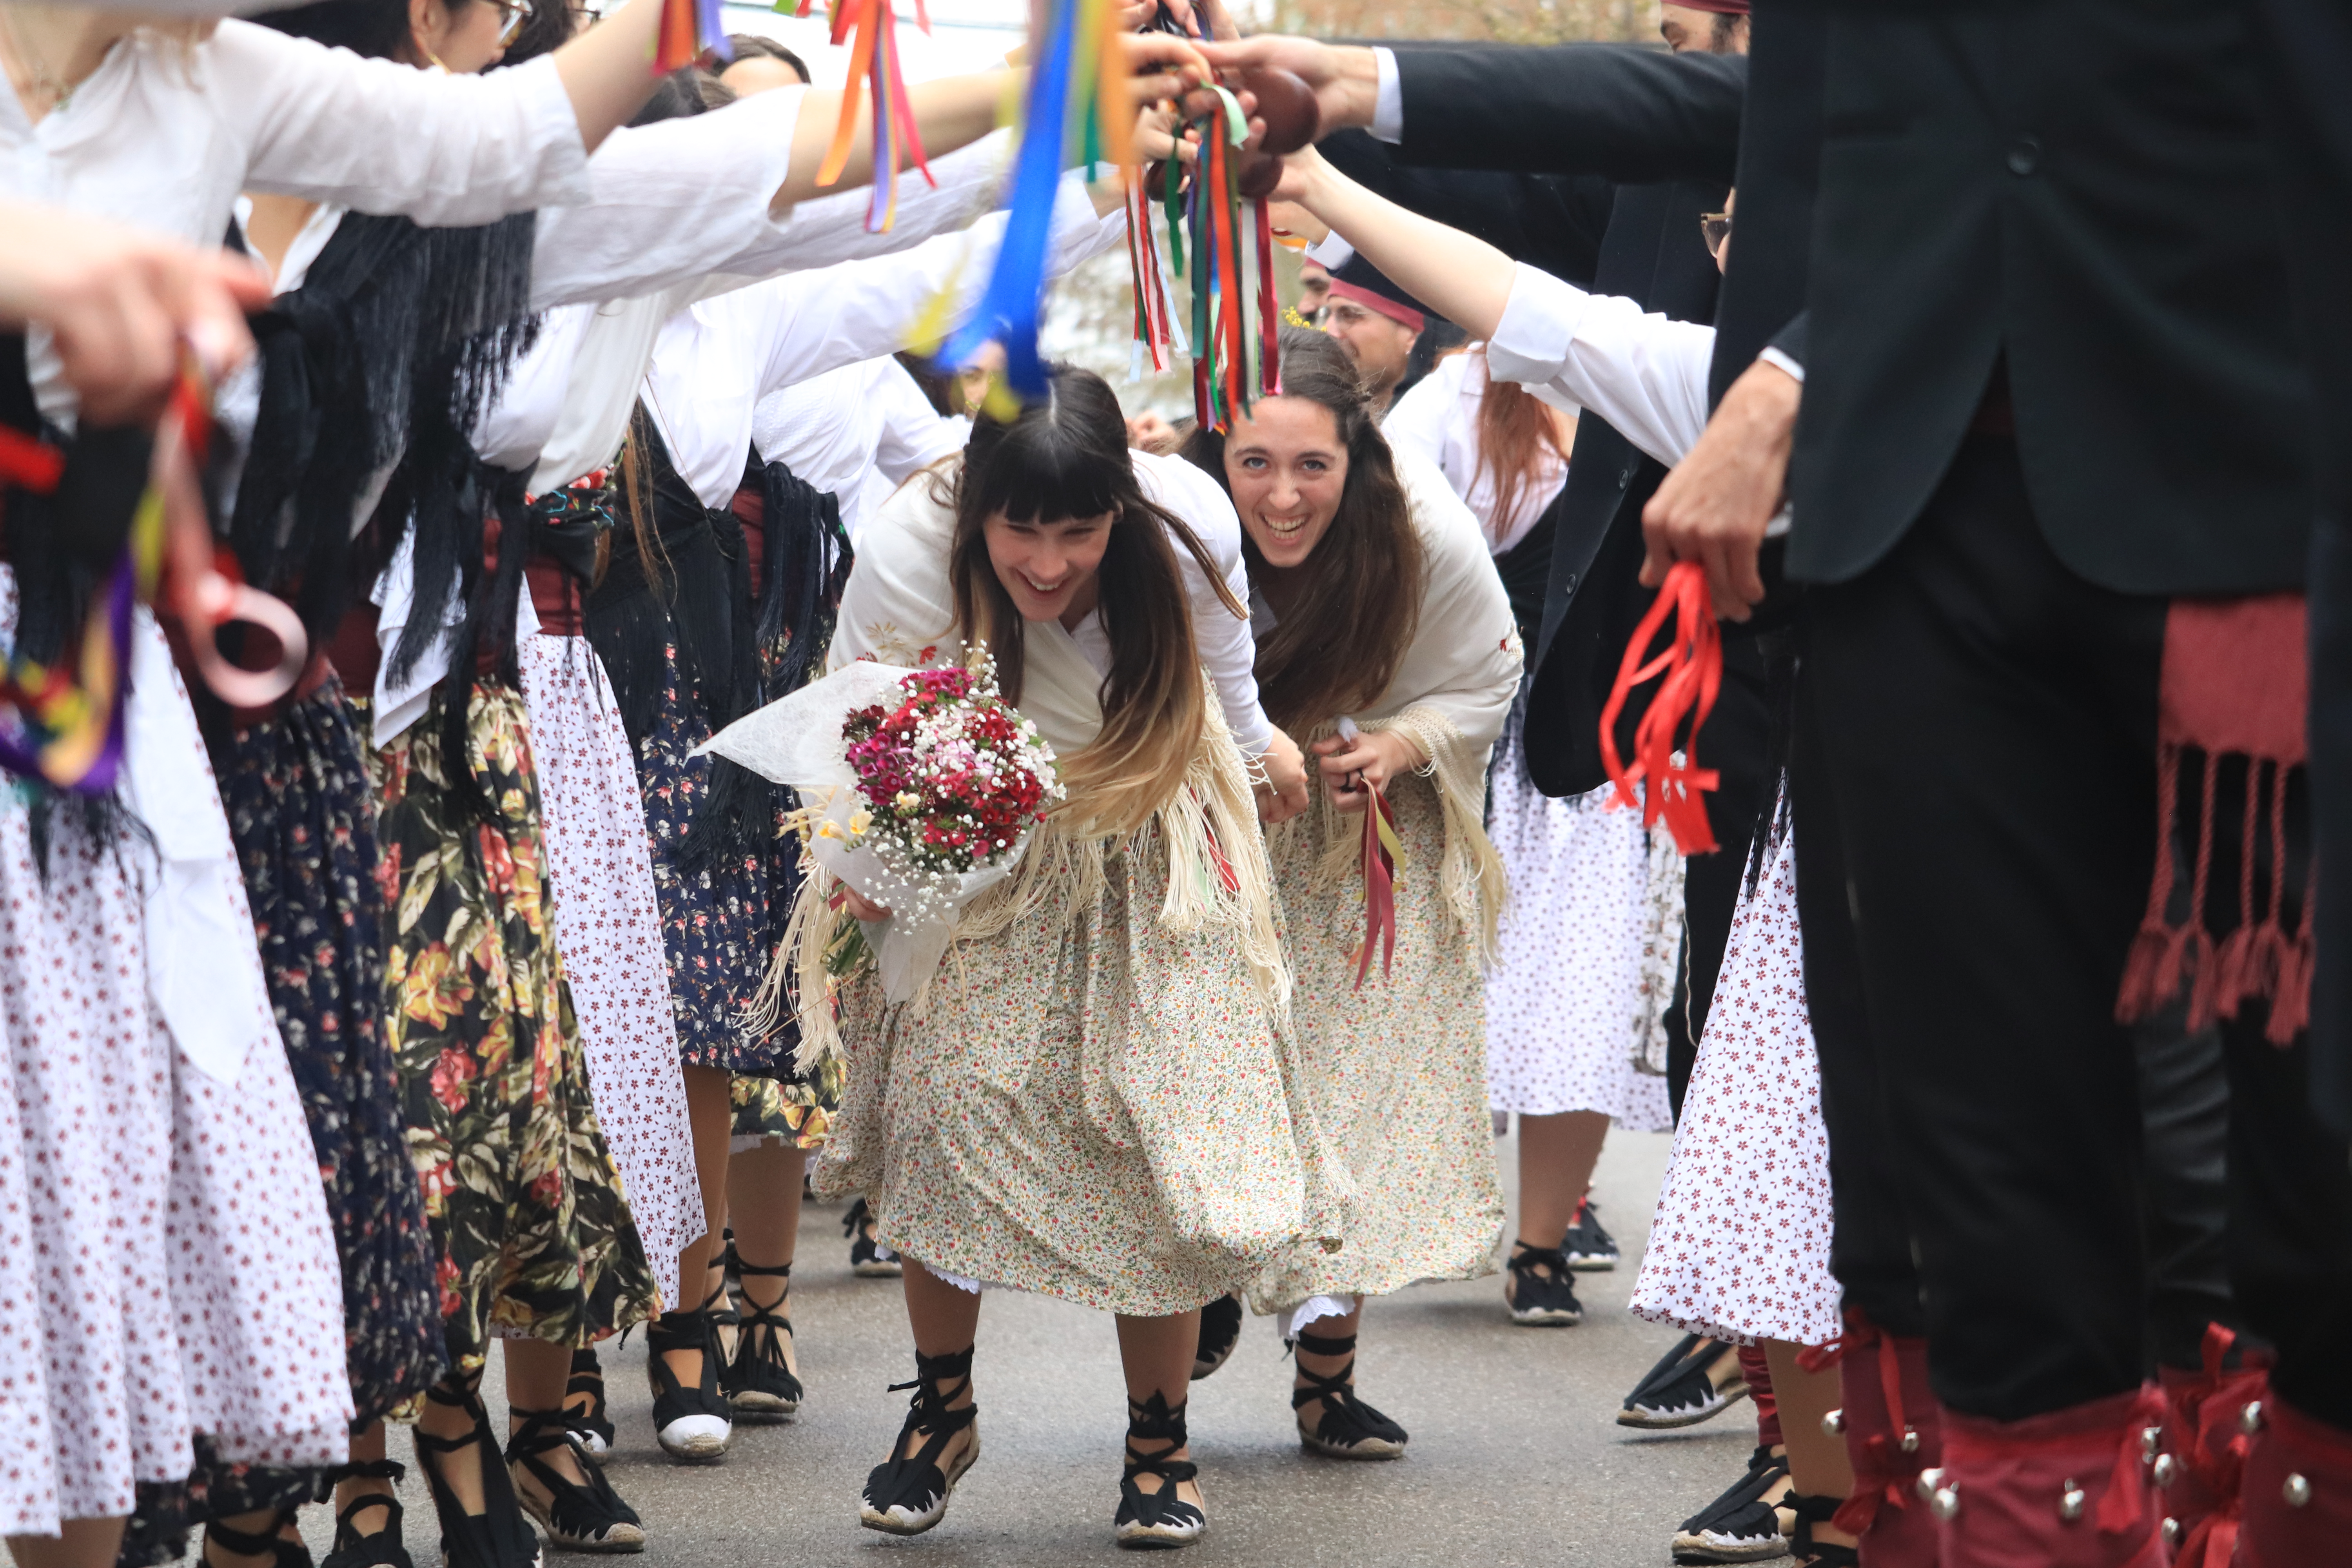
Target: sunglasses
1715,228
517,13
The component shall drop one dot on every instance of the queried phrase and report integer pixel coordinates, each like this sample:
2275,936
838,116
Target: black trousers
1986,720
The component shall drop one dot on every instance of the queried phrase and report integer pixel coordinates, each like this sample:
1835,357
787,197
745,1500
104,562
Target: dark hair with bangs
1064,456
1337,648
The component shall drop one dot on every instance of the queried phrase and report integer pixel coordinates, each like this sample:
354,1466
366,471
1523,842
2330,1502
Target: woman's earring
436,59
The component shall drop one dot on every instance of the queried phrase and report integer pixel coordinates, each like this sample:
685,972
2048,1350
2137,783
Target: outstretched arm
1462,278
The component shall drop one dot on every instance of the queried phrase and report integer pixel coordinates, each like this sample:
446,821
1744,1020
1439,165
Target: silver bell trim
2172,1532
1946,1504
1927,1483
2250,1419
2297,1490
2071,1501
1910,1443
2167,1466
1833,1424
2151,1438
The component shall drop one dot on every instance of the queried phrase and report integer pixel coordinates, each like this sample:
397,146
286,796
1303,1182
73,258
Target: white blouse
862,422
165,135
1438,421
714,362
898,608
1643,373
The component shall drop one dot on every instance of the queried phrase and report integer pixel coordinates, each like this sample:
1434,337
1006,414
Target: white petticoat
608,928
1739,1248
165,1260
1567,981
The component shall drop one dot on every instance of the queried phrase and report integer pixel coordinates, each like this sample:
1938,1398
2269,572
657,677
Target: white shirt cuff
1773,357
1331,251
1539,324
1388,105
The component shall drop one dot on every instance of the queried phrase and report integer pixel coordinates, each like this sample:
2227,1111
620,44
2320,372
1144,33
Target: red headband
1394,309
1720,7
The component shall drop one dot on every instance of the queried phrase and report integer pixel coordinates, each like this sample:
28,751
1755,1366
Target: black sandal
576,1516
1541,1294
1679,1390
1741,1526
379,1549
594,1425
1157,1521
760,1382
693,1425
1803,1548
281,1553
1221,1331
722,1296
908,1493
868,1258
498,1536
1350,1428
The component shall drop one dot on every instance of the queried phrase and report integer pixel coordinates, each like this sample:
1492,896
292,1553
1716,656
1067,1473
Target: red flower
387,877
452,1071
498,865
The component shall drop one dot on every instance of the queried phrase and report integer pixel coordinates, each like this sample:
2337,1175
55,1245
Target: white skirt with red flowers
166,1265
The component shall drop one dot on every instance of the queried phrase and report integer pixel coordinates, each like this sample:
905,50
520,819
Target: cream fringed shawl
899,608
1451,694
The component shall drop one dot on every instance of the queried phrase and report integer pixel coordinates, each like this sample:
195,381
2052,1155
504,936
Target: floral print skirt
1099,1110
1398,1070
532,1235
299,811
721,924
797,1111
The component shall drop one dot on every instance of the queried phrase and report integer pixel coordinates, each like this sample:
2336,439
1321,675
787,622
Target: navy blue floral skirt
719,925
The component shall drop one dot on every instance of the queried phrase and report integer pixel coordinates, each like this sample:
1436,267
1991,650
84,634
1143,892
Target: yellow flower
433,990
907,800
859,821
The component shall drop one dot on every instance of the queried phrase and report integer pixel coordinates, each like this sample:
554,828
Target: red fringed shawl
2236,683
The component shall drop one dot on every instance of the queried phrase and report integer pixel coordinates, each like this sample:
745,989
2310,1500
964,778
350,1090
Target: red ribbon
1693,667
1380,886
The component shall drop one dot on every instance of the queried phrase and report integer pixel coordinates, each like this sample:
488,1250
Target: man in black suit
2052,404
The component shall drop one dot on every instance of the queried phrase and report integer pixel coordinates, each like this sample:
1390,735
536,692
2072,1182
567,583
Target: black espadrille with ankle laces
1221,1331
374,1549
759,1382
1158,1520
1807,1551
908,1493
585,1515
1348,1428
1540,1294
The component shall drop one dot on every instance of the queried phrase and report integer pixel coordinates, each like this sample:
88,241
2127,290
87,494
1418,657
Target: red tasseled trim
2234,683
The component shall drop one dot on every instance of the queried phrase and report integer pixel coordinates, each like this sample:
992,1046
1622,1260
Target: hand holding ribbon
1356,767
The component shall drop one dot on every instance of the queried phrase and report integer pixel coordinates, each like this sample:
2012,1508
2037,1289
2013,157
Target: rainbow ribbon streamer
67,729
1231,363
688,28
1075,112
874,64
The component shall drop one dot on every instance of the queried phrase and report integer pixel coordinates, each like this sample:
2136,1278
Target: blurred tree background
1090,315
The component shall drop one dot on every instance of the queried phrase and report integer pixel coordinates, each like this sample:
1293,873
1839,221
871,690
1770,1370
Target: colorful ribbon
1076,111
1693,667
687,30
874,66
1383,853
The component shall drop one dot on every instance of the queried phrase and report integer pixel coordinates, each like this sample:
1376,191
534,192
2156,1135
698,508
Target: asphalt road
1516,1457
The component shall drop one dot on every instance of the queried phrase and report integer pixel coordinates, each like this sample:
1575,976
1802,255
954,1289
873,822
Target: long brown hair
1066,457
1515,426
1336,648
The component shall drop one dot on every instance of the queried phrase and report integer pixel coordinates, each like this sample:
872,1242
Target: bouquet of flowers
920,786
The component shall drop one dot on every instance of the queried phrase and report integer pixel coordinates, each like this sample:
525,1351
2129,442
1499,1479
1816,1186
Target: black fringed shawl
739,643
397,339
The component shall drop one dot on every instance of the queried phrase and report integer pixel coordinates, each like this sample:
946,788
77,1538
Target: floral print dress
533,1236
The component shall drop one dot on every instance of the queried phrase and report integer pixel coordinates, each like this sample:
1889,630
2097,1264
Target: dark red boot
1894,1430
2068,1489
2200,1457
2298,1491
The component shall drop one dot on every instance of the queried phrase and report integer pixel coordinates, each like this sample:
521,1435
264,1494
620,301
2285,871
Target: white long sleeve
1228,647
1438,422
716,359
1644,374
381,137
909,434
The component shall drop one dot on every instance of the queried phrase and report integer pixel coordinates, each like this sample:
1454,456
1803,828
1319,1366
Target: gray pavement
1516,1457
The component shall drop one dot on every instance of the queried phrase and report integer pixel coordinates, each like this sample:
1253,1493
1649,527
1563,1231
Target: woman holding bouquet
1384,631
1094,1097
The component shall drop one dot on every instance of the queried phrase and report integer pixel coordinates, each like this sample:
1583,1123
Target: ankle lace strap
1154,1420
362,1470
928,1410
1324,1345
251,1544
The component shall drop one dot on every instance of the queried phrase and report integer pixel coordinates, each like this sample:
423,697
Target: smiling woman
1018,1126
1379,619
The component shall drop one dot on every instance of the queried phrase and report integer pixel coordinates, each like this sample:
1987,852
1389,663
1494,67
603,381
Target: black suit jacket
2081,189
1621,114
